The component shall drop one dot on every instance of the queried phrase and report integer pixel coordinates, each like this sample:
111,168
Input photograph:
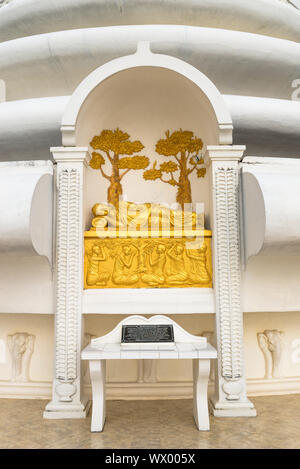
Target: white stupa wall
173,379
250,50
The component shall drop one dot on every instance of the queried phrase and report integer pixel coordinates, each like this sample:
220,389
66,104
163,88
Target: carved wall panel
21,347
272,346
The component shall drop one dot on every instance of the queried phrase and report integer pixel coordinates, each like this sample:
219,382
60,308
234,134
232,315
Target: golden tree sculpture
113,144
184,147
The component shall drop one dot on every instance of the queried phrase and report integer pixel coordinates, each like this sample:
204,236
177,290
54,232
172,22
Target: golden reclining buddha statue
131,216
146,246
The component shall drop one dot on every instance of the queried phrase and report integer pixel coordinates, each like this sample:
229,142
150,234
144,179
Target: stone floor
152,424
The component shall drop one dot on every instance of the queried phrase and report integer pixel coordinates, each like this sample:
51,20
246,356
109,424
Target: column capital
220,153
71,155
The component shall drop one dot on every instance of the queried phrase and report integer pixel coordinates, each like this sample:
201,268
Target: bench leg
97,373
200,377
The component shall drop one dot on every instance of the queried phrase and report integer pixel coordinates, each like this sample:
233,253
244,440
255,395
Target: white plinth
76,411
148,301
232,409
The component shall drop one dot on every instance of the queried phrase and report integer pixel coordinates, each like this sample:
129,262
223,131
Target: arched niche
209,98
146,101
146,94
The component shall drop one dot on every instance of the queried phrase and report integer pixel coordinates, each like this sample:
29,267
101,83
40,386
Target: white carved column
230,397
67,398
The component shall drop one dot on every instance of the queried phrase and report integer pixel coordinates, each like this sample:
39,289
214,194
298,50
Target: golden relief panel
147,245
142,262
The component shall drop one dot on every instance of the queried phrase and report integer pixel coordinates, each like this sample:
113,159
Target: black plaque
147,333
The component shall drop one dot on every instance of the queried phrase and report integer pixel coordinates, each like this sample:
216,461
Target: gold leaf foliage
116,141
112,144
178,142
134,162
184,147
96,161
169,167
152,174
201,172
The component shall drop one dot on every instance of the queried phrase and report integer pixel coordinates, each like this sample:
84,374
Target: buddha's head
100,210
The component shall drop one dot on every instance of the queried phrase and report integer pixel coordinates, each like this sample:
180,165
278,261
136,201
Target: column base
56,410
232,409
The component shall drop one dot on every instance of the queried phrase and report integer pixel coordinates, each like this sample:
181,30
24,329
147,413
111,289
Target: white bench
186,346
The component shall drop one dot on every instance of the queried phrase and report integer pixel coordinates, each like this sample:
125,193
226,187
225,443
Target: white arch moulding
145,58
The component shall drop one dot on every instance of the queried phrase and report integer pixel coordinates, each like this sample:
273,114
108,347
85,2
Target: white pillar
67,398
230,397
